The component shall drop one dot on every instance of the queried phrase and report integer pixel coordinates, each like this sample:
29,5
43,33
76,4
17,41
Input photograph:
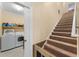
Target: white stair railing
74,32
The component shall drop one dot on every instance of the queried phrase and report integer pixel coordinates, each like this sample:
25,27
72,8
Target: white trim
74,23
73,33
28,32
28,51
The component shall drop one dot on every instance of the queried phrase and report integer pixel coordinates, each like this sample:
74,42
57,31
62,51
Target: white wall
45,17
0,19
78,28
77,16
11,17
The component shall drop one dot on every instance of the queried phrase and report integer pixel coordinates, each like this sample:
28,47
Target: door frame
28,49
28,52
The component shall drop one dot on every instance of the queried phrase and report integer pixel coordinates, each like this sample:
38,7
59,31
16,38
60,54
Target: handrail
73,33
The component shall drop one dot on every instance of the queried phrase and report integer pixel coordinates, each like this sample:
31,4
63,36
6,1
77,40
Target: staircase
60,42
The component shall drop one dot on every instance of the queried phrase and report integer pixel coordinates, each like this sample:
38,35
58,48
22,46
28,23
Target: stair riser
64,24
56,53
67,17
61,34
62,30
66,21
65,47
68,14
72,41
63,27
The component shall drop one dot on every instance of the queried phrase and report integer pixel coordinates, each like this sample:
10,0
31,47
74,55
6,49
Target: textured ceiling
8,6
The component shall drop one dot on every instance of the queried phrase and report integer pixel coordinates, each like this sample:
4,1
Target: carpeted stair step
63,45
57,51
62,30
64,39
62,33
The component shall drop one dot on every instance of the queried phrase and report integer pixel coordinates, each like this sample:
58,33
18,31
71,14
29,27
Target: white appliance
18,35
8,39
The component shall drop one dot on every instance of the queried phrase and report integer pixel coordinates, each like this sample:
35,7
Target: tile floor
17,52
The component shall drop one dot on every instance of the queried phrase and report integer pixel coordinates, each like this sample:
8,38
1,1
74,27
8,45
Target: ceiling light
18,7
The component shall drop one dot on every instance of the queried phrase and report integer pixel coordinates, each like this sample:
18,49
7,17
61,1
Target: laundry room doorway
12,37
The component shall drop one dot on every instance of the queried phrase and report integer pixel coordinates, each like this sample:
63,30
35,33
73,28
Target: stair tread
64,43
62,46
54,52
63,32
69,19
61,50
64,39
66,19
70,38
64,26
62,29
